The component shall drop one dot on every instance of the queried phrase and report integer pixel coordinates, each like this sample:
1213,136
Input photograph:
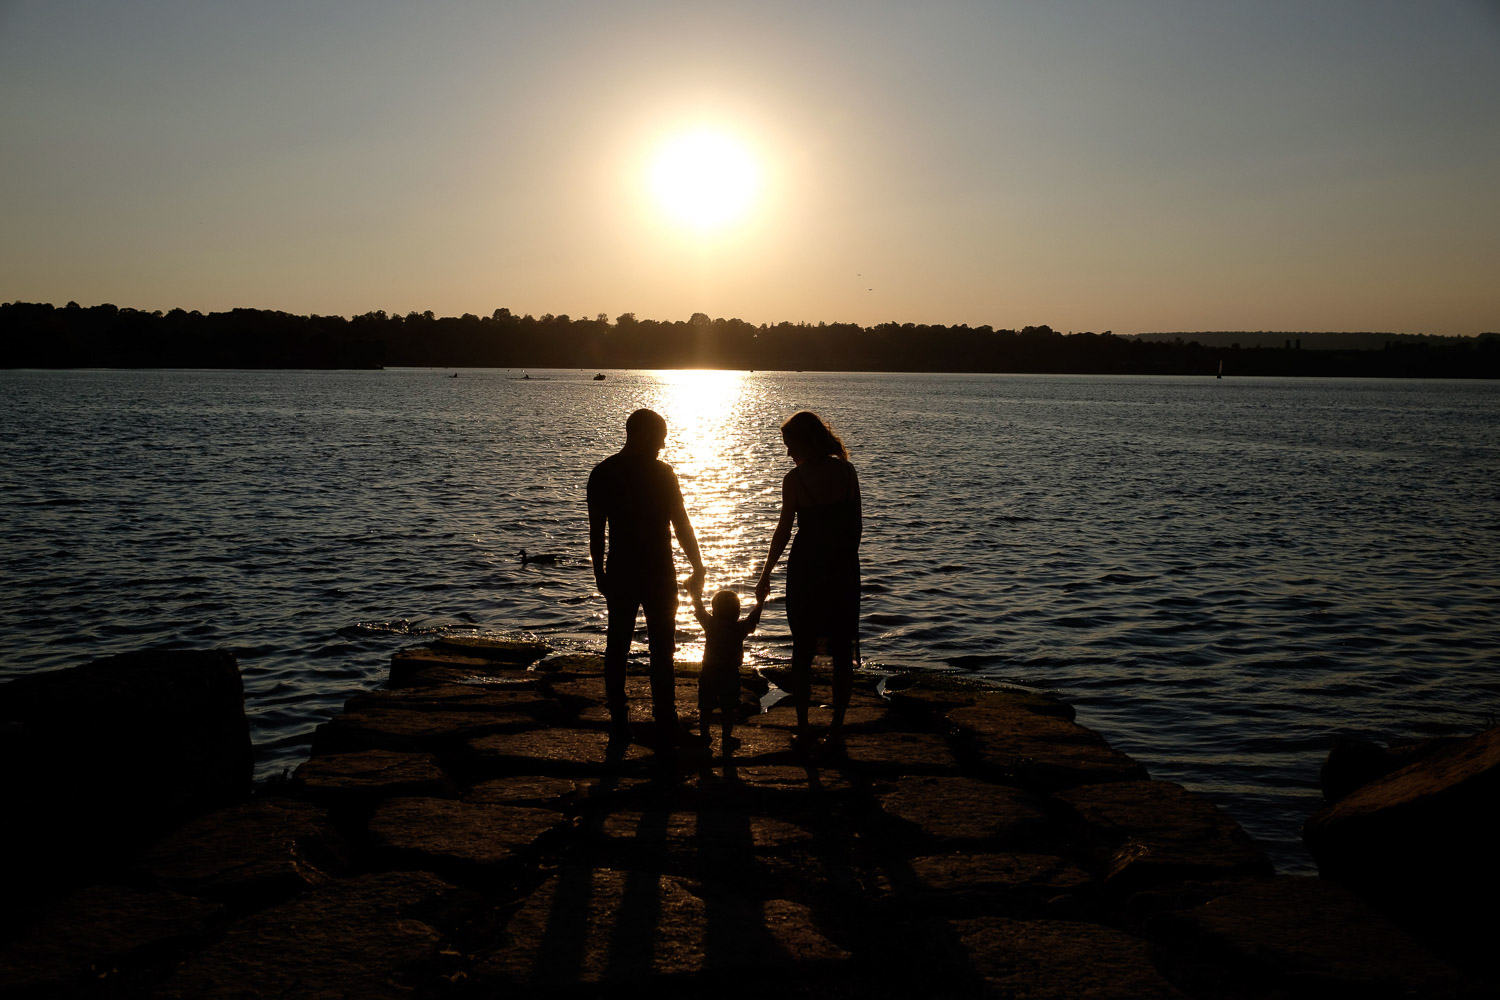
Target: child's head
726,604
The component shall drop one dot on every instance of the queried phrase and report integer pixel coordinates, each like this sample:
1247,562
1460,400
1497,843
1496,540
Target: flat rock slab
715,829
518,652
249,855
555,750
542,791
857,718
410,730
88,936
457,836
719,845
457,698
966,809
1014,884
425,667
1044,752
570,663
787,779
370,775
897,753
1311,937
373,937
757,744
637,692
597,927
1060,960
1144,833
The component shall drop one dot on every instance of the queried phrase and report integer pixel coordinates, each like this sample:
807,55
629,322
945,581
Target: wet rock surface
1309,936
475,832
1145,833
249,855
372,775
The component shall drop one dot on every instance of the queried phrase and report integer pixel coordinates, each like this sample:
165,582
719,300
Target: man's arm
597,521
686,538
689,543
699,611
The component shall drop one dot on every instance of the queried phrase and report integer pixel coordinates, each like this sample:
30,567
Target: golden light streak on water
706,415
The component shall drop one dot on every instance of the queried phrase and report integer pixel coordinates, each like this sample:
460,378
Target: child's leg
704,705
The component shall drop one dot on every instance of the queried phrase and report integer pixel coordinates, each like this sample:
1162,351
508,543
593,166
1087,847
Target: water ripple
1220,575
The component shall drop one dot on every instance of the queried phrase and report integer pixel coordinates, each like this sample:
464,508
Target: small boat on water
599,377
1221,369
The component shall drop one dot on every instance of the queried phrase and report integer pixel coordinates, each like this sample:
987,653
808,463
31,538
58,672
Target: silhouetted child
723,653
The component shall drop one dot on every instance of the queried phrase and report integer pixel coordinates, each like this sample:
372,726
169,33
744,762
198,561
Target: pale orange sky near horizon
1134,166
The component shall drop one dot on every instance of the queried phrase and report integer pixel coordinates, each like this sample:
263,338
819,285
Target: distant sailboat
1221,369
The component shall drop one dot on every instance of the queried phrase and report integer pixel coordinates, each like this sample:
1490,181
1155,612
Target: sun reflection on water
711,445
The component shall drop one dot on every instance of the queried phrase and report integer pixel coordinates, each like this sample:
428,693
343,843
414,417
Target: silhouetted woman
822,577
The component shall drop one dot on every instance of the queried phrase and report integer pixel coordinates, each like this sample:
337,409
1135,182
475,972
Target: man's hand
695,582
762,590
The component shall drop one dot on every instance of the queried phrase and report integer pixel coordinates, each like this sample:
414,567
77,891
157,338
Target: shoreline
471,829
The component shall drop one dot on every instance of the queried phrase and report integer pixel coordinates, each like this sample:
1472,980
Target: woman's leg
841,651
802,656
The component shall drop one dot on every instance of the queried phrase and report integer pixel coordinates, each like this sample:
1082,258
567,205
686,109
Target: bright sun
704,179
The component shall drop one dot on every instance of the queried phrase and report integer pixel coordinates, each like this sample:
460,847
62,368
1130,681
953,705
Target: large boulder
1353,763
102,758
1420,841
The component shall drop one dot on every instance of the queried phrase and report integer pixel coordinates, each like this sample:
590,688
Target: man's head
645,430
726,605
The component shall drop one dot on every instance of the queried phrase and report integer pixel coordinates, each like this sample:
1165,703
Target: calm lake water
1220,574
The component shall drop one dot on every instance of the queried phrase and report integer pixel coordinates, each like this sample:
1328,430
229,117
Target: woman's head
807,436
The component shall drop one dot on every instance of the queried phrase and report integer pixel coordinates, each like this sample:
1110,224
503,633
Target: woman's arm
859,509
779,538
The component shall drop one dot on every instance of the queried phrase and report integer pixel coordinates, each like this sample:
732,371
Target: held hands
694,583
762,589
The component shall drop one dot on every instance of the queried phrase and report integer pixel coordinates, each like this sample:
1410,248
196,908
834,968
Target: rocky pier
471,831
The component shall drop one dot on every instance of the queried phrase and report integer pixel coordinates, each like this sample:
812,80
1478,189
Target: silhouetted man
635,500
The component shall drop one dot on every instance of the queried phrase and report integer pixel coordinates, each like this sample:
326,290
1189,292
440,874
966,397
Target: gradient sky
1133,165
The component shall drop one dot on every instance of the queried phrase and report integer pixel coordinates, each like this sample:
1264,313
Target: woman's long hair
807,432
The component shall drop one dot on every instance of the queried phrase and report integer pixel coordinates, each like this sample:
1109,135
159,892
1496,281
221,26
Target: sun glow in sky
1141,165
705,178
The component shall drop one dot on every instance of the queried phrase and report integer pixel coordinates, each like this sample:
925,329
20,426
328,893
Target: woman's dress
822,573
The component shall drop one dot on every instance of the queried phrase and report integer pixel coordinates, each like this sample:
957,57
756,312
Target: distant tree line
43,336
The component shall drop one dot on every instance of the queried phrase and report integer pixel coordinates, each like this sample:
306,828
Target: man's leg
661,637
620,630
